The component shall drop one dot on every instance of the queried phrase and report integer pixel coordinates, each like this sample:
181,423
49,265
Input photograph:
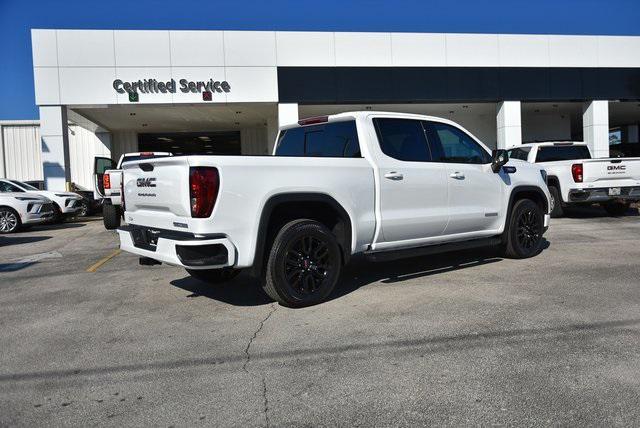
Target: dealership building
107,92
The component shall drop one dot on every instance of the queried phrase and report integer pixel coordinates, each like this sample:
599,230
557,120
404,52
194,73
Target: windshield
23,185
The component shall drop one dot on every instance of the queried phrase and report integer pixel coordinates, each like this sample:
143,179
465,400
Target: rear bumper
178,249
601,194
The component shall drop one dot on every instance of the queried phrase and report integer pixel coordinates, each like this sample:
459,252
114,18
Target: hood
52,194
27,196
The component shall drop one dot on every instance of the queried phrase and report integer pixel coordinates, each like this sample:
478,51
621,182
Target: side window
102,164
519,153
402,139
6,187
562,153
454,146
336,139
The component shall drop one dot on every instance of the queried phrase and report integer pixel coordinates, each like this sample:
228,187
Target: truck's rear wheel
556,202
111,216
616,208
304,264
524,232
214,276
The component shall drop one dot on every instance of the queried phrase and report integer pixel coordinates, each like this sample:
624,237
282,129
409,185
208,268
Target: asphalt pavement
89,337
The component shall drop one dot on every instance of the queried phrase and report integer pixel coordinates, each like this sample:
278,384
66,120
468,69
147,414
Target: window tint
102,164
560,153
519,153
454,146
402,139
336,139
6,187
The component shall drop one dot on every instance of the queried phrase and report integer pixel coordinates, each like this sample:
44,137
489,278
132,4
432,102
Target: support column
595,127
287,114
54,136
509,124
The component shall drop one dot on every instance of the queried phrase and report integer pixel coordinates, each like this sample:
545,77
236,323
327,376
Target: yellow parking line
94,267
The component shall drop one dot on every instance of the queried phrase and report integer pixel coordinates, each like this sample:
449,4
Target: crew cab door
100,165
475,191
413,189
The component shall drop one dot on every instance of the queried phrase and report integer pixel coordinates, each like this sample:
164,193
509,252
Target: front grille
46,208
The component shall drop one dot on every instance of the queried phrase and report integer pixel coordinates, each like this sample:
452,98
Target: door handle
457,175
394,175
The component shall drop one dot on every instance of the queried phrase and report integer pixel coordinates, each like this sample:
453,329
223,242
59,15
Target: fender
275,200
556,182
518,190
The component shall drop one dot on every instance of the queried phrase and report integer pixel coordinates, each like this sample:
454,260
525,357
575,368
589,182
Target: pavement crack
247,360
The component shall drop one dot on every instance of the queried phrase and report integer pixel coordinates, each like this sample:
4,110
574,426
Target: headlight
26,198
543,173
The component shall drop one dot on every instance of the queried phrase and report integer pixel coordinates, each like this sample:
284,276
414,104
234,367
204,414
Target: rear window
519,153
562,153
141,157
334,139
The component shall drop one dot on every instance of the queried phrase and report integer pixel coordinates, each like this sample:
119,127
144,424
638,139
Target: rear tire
304,264
214,276
523,236
111,216
557,209
9,220
616,209
84,209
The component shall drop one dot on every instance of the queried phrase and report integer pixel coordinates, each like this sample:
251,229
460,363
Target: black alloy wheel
523,234
529,231
304,264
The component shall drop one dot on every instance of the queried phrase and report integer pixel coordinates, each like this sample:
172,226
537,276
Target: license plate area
145,238
614,191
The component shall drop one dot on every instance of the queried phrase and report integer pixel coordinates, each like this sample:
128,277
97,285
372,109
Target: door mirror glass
500,158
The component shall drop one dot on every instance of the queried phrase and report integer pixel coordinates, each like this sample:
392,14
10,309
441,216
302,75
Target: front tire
524,231
557,209
84,209
9,221
111,216
304,264
214,276
616,209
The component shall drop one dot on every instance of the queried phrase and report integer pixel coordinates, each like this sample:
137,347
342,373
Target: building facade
227,92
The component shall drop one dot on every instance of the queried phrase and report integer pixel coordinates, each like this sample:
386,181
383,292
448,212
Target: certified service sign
152,86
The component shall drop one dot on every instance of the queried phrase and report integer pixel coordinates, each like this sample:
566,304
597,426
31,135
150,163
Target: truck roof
554,143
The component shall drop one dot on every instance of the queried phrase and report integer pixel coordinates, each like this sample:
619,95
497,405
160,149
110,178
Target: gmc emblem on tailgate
616,167
146,182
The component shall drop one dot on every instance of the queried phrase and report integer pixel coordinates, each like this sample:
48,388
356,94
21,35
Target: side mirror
500,157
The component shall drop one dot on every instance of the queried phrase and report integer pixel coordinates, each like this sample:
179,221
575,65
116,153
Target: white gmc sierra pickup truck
108,182
381,185
574,178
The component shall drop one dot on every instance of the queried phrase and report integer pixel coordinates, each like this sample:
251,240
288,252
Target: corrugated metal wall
22,152
84,145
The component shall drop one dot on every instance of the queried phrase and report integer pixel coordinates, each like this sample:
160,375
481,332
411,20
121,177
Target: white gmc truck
379,185
575,178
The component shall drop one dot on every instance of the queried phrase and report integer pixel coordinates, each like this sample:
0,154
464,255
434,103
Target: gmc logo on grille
616,168
146,182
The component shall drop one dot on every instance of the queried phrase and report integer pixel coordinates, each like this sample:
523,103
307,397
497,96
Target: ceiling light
208,146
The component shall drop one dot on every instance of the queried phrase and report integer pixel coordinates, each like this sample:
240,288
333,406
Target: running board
388,255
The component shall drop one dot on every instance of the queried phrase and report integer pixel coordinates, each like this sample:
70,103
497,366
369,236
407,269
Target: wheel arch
284,207
534,193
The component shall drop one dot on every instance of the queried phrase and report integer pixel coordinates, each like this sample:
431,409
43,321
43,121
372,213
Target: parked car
378,185
89,205
19,210
107,180
575,178
65,204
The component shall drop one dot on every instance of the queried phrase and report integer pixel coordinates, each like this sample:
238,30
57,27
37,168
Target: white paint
595,127
509,124
21,154
363,49
303,48
55,147
287,114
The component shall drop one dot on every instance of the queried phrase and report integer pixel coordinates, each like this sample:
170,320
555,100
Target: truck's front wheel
304,264
523,235
111,216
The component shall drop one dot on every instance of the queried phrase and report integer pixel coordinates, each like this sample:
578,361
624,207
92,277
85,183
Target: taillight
576,171
203,188
106,181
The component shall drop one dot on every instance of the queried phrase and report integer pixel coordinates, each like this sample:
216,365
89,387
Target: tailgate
157,187
616,171
115,178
